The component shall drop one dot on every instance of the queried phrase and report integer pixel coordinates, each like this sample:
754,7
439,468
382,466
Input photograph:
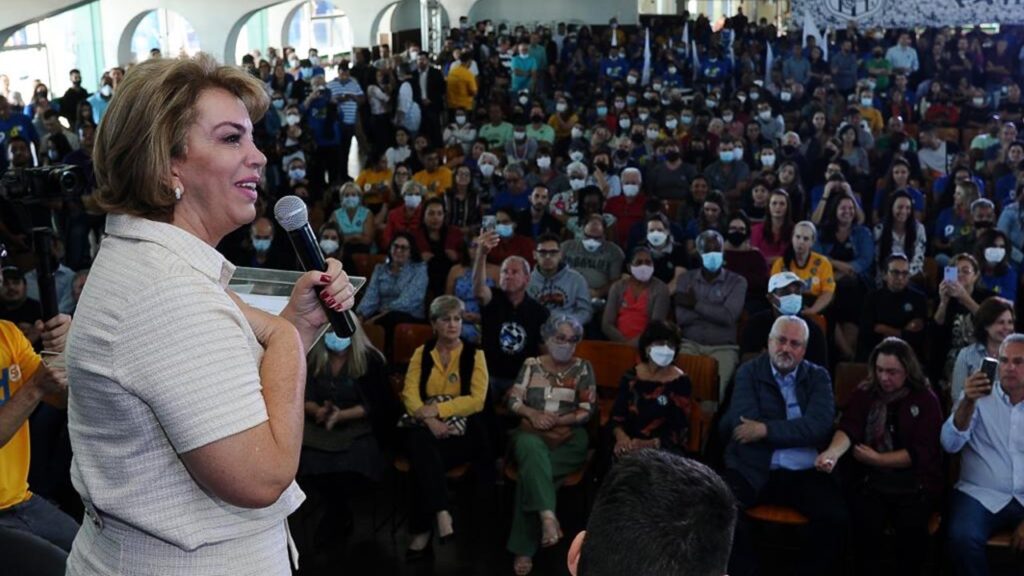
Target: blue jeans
38,516
970,527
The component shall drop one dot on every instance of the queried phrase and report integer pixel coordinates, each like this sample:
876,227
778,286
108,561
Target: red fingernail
325,278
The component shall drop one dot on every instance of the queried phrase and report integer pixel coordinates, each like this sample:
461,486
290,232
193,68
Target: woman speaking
187,410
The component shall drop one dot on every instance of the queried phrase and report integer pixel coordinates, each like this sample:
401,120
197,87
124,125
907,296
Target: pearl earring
177,193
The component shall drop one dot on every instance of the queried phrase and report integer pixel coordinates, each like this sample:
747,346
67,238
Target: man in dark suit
781,414
428,90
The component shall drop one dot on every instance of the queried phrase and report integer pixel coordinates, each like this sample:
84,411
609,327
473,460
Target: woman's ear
573,560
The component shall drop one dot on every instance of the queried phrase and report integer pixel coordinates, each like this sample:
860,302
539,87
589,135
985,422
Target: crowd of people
523,190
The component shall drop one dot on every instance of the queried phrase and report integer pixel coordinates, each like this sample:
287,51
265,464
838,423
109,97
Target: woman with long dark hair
438,244
992,251
772,236
891,428
899,232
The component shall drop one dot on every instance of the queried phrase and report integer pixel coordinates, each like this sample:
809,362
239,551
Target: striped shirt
348,108
162,362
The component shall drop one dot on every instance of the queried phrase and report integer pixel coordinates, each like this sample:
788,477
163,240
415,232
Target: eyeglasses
548,253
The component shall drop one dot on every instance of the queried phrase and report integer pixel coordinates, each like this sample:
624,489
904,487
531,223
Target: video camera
44,184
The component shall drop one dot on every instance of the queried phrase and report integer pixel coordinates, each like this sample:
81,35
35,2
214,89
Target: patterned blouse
573,391
646,409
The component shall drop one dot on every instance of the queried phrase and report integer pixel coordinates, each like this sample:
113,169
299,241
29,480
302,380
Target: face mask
329,246
278,103
543,162
576,155
686,120
625,123
523,100
560,352
656,87
631,80
504,230
106,91
712,261
727,118
978,101
671,124
785,96
653,134
261,244
666,102
576,132
620,104
306,73
765,115
994,254
867,102
561,107
336,344
736,238
53,154
755,96
904,146
460,120
672,69
662,355
672,156
591,244
296,173
725,156
413,201
742,98
642,273
643,116
631,100
292,119
519,135
487,170
630,190
768,160
602,111
737,154
350,201
577,183
790,304
657,238
314,60
711,103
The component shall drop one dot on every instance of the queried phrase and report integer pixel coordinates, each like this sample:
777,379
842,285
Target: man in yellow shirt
866,101
35,536
462,83
435,178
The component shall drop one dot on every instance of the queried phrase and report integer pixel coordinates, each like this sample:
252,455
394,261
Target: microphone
291,214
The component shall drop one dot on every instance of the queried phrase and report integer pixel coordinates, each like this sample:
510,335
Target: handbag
457,424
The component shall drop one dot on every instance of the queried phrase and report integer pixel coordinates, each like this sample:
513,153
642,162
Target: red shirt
398,222
452,240
517,245
633,314
626,214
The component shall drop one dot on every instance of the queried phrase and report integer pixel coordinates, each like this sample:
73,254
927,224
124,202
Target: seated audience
813,269
785,294
897,309
742,258
993,322
556,286
460,285
958,302
635,300
397,289
438,244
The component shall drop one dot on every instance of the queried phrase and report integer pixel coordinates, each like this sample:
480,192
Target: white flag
696,59
686,36
769,61
645,77
811,29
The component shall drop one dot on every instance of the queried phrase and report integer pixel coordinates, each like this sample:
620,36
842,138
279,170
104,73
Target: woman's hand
323,412
426,411
437,428
332,287
542,420
623,445
866,455
826,461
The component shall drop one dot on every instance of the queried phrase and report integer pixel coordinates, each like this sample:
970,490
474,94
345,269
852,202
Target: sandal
551,531
522,565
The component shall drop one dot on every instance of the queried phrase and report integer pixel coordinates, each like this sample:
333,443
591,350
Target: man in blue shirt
780,414
986,429
14,124
614,67
524,70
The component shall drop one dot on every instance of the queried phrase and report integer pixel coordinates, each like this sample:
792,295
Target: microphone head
291,213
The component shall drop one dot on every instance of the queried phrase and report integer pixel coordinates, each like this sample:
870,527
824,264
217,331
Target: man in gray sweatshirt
555,285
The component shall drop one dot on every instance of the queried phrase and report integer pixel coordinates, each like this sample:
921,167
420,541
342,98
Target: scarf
876,433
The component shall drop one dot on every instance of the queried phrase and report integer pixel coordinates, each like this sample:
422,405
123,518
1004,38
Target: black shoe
417,555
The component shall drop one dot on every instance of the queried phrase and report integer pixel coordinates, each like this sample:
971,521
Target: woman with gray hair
445,388
555,395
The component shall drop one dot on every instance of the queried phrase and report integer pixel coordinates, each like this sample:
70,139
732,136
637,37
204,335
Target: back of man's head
657,514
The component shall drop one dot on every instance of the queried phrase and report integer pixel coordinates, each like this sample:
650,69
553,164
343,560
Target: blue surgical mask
336,344
791,304
261,244
712,261
350,201
296,173
504,230
278,103
602,111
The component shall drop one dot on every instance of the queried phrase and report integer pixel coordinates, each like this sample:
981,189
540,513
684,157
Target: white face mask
460,120
727,118
487,170
768,160
642,273
591,244
662,355
577,183
994,254
785,96
576,133
292,119
653,134
630,190
576,155
765,115
106,90
671,124
978,101
657,238
561,107
625,123
413,201
519,135
329,246
543,162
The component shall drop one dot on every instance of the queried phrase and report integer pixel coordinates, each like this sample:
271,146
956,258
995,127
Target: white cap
781,280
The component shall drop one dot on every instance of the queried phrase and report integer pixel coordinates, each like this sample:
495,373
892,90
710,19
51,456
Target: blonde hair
359,352
147,124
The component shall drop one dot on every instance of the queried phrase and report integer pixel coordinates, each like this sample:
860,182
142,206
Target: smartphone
489,223
949,274
988,366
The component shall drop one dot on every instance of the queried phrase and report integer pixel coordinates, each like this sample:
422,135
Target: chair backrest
376,336
849,375
407,338
703,373
365,263
610,361
820,321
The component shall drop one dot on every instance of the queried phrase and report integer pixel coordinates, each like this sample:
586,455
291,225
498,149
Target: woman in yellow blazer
445,389
462,83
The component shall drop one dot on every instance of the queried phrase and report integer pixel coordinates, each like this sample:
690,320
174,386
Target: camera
43,184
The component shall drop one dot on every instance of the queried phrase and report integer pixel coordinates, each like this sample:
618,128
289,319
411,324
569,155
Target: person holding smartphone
984,430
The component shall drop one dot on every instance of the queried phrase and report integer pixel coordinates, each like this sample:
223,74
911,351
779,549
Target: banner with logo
910,13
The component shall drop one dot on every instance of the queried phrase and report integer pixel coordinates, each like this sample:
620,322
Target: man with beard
780,416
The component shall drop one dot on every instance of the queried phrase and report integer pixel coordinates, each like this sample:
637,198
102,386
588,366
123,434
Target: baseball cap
781,280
